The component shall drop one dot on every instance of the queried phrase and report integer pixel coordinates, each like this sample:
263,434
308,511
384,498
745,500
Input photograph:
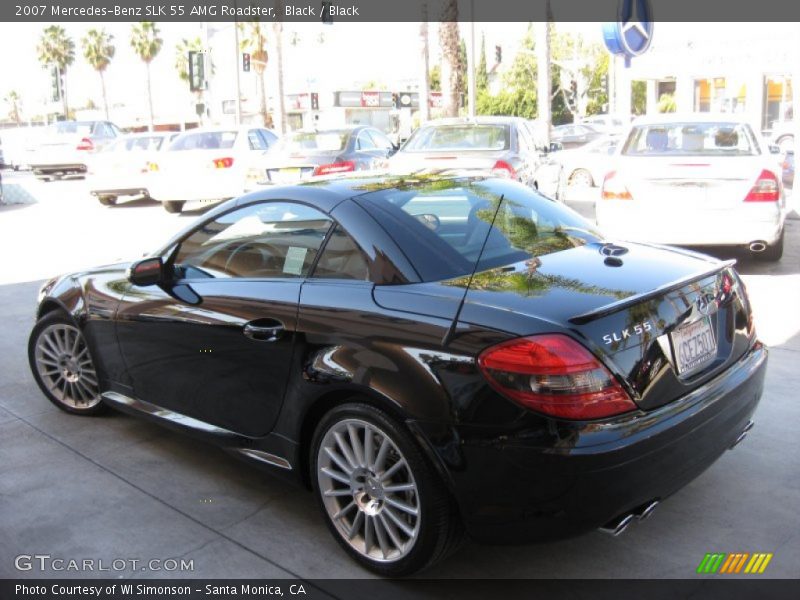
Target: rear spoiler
637,298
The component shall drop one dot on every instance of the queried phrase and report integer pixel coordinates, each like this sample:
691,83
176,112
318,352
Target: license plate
285,175
694,346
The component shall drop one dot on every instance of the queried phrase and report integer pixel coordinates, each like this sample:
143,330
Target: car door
216,343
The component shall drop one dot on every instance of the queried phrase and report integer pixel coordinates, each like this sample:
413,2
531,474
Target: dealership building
744,68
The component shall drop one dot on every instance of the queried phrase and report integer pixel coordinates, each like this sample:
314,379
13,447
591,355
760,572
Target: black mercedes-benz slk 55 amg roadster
434,356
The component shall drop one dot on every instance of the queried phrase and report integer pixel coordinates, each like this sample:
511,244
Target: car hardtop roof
694,117
473,121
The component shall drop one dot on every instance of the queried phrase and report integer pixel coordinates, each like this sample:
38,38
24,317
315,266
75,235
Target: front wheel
173,206
62,365
382,500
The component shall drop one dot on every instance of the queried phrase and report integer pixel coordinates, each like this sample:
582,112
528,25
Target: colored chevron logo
738,562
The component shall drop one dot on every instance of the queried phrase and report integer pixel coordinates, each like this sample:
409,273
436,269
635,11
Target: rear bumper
556,481
736,227
202,186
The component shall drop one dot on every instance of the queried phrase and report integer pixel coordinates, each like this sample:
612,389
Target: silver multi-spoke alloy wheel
368,490
65,367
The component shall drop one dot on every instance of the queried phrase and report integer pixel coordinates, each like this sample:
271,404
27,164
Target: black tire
438,530
107,200
173,206
774,252
68,402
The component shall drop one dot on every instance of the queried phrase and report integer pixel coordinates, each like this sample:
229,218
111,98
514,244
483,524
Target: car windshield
73,128
205,140
459,137
441,224
313,141
691,139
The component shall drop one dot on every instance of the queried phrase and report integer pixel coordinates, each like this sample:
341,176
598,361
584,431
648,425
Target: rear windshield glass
313,141
459,137
73,128
146,143
206,140
691,139
441,225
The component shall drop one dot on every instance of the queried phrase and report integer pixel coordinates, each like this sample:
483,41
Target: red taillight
766,188
85,144
614,189
332,168
554,375
502,169
223,163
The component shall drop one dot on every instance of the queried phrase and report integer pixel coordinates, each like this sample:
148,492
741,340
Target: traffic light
197,71
573,91
314,101
498,54
55,83
246,62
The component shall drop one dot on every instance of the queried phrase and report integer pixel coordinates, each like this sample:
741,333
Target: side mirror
148,271
556,146
773,149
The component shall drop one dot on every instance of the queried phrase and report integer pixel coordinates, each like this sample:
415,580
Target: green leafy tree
435,78
98,50
147,43
57,48
597,77
482,74
13,101
667,104
518,94
638,97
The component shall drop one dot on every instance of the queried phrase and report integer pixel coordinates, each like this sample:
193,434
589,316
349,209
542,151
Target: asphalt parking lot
114,487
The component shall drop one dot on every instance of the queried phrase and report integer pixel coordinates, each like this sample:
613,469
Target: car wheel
63,367
774,252
581,178
382,500
107,200
173,206
785,143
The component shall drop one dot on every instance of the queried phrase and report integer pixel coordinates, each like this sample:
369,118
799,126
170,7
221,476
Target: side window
341,258
381,141
364,141
525,142
267,240
268,137
255,141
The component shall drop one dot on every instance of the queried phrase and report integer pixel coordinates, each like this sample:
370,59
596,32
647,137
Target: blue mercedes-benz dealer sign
632,33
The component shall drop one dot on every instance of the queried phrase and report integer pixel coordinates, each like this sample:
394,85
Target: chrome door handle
263,333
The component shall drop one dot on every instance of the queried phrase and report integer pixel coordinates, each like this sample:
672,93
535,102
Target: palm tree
544,82
278,31
254,41
13,100
451,55
147,44
98,49
57,49
424,81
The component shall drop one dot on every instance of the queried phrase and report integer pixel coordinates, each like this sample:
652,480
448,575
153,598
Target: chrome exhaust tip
644,511
617,526
757,246
742,435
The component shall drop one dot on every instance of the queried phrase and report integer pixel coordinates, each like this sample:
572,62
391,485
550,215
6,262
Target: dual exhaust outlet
619,524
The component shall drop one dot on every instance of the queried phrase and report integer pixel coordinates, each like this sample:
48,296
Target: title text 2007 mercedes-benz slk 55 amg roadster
432,355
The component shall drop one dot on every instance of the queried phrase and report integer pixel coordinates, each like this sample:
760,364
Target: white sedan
125,167
207,165
697,180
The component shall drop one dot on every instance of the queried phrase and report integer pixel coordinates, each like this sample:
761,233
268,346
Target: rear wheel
581,178
62,365
107,200
774,252
382,501
785,143
173,206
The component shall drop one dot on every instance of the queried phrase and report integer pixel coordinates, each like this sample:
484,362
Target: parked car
430,356
575,135
782,135
66,147
608,124
787,169
207,165
303,154
698,179
502,146
125,167
587,165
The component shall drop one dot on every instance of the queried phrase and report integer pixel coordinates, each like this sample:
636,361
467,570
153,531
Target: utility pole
471,61
424,83
238,103
544,90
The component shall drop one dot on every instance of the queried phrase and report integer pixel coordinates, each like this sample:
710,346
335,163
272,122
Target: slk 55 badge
637,329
